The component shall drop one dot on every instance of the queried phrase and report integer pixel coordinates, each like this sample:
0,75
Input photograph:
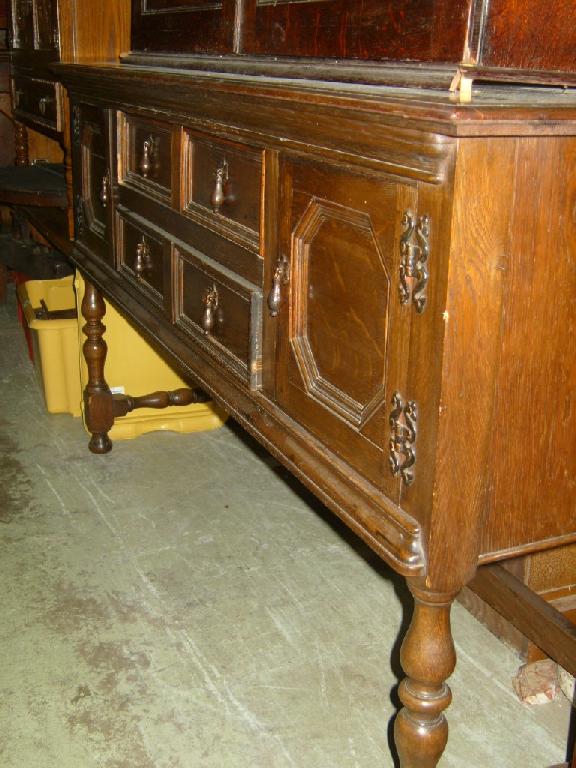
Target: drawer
38,101
239,259
222,312
223,180
146,156
144,256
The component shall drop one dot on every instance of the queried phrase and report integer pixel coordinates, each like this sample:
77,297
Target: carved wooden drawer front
222,180
144,256
342,353
92,201
222,312
146,156
38,101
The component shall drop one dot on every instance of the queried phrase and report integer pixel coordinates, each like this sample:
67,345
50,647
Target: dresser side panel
483,193
533,451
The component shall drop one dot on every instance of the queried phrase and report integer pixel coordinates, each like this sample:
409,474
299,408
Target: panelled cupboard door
183,26
416,30
342,330
92,189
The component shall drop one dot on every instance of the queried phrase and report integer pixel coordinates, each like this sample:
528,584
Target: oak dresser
354,225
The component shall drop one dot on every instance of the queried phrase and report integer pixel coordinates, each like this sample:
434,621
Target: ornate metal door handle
43,103
403,423
414,252
143,259
211,301
281,277
218,197
104,191
147,159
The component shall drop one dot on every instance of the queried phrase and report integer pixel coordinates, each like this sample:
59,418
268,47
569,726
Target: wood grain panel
533,452
183,26
483,194
530,34
418,30
92,31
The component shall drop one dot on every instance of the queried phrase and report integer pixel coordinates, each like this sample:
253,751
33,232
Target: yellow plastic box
55,343
133,367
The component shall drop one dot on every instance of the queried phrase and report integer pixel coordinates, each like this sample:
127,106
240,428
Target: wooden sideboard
377,282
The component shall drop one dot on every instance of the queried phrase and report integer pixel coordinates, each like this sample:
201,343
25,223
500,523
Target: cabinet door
92,189
414,30
343,331
183,26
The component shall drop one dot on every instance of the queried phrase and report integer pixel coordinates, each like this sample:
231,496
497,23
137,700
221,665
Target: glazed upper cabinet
35,26
506,39
190,26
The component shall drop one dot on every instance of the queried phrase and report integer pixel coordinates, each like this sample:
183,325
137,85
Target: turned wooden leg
428,659
98,404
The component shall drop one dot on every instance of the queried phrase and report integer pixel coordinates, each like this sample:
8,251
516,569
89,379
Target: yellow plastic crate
55,343
133,367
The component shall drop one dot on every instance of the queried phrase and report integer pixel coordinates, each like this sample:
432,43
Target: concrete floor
182,603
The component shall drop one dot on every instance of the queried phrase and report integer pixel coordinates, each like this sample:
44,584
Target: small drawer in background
144,256
222,312
146,156
38,101
223,180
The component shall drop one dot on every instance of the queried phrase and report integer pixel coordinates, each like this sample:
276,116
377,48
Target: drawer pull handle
218,197
104,191
43,104
281,277
147,159
211,301
143,260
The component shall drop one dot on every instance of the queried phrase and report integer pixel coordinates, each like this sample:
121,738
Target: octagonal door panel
342,330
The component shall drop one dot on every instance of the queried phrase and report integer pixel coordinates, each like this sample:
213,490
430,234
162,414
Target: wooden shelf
43,184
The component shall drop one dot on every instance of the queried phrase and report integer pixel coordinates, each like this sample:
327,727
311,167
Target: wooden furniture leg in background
539,621
101,407
428,658
98,404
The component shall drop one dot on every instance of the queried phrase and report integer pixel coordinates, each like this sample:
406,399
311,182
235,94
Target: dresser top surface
493,110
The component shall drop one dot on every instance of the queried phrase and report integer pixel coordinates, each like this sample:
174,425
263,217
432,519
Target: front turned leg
428,659
98,403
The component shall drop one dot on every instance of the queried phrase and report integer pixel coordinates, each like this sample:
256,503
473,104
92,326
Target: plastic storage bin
133,367
55,343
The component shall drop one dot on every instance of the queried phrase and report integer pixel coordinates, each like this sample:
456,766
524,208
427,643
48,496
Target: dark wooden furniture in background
42,33
551,575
